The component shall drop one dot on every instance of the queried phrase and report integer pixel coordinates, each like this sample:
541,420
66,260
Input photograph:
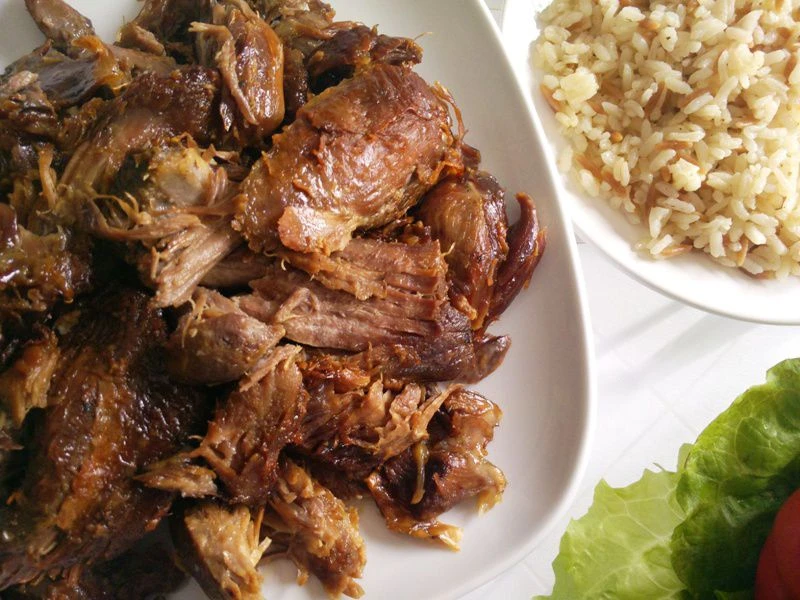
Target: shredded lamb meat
221,547
247,264
316,530
413,489
217,342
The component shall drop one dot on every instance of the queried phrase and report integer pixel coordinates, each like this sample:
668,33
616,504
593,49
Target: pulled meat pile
247,263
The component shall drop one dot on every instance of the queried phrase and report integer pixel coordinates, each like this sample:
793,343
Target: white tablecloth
665,370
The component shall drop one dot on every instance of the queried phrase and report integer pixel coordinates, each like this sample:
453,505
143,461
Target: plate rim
649,282
588,359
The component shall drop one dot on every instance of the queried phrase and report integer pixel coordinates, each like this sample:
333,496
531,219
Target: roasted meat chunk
216,342
301,25
170,207
352,428
249,57
320,53
78,502
171,179
173,265
59,22
221,547
46,81
353,46
358,155
526,243
456,466
72,81
467,215
252,425
38,271
26,115
316,315
316,530
415,336
152,110
413,489
402,273
488,264
146,571
162,27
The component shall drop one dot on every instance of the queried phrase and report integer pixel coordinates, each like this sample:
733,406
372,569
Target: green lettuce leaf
620,548
742,468
696,533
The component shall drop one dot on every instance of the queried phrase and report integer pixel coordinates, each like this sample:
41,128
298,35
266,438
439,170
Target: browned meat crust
467,215
148,571
301,25
171,208
151,111
488,263
37,271
526,245
358,155
353,427
78,502
252,425
162,27
353,46
47,80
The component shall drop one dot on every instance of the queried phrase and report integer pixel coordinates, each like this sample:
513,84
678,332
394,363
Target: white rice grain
689,117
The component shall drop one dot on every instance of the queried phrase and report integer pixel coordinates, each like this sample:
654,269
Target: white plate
545,385
691,278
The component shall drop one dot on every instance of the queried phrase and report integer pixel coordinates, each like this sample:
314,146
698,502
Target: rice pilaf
686,117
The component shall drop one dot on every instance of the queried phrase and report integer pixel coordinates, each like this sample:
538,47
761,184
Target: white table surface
665,370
